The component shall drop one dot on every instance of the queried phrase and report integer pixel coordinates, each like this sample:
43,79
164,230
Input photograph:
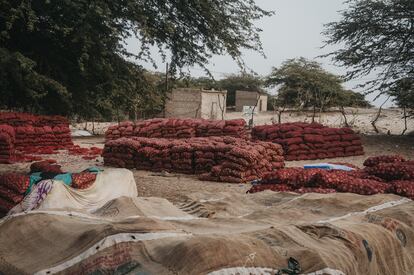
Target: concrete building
196,103
246,98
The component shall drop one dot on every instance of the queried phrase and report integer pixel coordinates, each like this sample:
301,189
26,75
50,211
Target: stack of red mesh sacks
38,134
225,159
394,170
7,139
306,141
383,174
12,189
177,128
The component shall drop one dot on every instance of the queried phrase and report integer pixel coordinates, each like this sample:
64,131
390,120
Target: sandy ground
175,187
360,119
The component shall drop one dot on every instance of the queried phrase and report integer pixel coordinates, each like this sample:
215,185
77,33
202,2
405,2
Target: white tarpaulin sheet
110,184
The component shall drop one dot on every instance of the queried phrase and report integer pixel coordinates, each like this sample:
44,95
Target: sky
294,31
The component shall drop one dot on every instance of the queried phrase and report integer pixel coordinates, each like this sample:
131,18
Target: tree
74,50
206,83
403,94
375,37
302,84
349,98
24,89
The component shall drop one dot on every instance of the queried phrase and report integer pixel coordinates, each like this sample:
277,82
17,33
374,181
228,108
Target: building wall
213,105
184,103
195,103
263,102
245,98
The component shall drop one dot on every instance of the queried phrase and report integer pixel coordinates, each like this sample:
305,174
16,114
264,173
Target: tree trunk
344,115
314,114
279,116
373,123
254,108
405,121
222,107
135,114
321,110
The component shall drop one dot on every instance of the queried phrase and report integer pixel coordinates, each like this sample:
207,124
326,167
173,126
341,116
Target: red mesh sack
5,205
373,161
40,166
404,188
83,180
10,195
314,138
271,187
18,183
392,171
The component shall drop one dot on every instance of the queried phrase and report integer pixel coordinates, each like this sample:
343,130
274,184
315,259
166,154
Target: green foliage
348,98
69,56
206,83
22,88
375,37
403,94
302,83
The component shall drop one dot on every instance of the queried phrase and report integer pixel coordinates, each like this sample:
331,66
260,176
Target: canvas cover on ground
244,234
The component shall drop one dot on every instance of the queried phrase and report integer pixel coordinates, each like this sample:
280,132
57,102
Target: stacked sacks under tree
383,174
7,139
33,132
306,141
177,128
225,159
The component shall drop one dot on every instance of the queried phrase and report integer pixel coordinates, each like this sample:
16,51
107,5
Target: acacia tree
302,84
74,51
376,36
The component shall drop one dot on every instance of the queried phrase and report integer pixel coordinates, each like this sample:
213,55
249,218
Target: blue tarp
328,166
66,178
